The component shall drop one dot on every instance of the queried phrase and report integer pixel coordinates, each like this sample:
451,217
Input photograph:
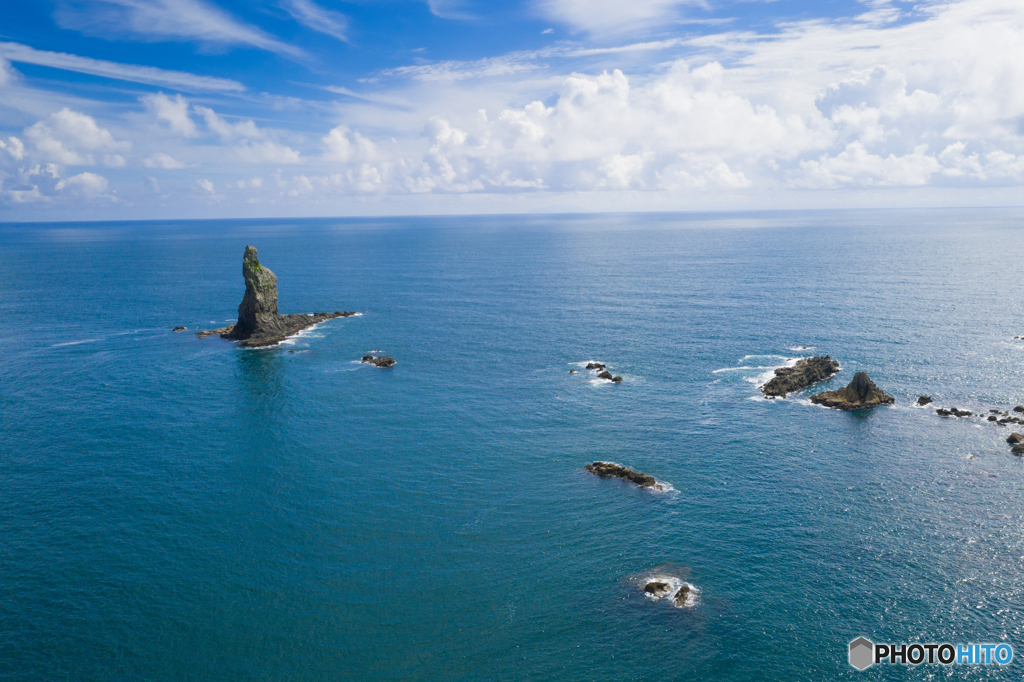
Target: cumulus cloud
173,111
229,131
161,160
71,138
89,185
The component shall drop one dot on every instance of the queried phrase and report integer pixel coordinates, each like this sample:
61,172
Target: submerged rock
859,394
179,329
259,323
804,373
383,361
924,400
611,470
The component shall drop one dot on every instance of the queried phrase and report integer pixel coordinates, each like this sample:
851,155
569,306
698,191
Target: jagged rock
259,323
859,394
383,361
681,595
617,379
179,329
657,588
924,400
605,375
1018,449
806,372
595,365
1015,438
611,470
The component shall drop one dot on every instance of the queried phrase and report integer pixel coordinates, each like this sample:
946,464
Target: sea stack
259,323
804,373
861,393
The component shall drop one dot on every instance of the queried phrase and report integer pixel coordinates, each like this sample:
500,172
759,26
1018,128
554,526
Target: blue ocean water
174,508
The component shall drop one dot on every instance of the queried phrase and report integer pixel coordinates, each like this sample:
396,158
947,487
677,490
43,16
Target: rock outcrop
383,361
259,323
595,365
861,393
179,329
681,596
924,400
804,373
657,588
611,470
1015,438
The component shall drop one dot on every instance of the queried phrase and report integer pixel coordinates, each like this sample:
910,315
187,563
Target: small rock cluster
382,361
604,373
804,373
659,589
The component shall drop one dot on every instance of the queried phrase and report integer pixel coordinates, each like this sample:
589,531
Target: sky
140,109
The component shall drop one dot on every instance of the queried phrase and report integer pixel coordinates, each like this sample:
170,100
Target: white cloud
173,111
70,138
127,72
338,146
313,16
161,160
205,185
229,131
605,17
14,147
183,20
267,152
88,185
7,72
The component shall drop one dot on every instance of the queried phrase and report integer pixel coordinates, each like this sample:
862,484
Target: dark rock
861,393
943,412
992,419
924,400
681,595
1019,408
617,379
1015,438
1018,449
806,372
611,470
368,358
994,411
595,365
259,323
179,329
383,361
572,371
657,588
605,375
960,413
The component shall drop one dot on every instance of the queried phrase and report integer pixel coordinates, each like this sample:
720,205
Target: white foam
74,343
801,348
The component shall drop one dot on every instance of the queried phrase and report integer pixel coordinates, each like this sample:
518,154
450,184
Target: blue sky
195,108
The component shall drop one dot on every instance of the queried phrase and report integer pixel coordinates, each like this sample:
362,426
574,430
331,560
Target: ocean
175,508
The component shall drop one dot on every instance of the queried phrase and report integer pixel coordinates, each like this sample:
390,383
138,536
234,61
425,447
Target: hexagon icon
862,653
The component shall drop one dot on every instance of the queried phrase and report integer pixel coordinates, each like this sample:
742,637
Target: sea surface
175,508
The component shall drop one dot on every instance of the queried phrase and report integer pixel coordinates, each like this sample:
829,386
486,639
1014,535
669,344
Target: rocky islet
259,322
805,372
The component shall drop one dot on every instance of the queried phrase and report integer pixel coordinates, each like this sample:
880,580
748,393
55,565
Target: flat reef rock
259,323
612,470
861,393
804,373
